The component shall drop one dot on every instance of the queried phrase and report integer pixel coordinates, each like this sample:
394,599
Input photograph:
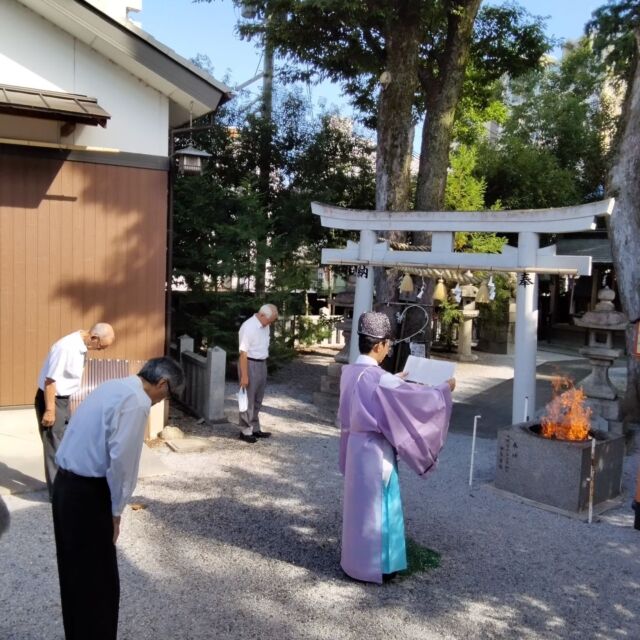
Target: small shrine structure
528,260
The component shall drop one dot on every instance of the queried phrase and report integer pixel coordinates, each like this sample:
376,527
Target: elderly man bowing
59,378
253,338
98,470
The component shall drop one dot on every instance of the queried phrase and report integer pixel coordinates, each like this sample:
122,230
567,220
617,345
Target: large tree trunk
395,123
624,226
442,92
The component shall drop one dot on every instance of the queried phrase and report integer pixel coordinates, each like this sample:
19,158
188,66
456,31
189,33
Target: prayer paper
428,371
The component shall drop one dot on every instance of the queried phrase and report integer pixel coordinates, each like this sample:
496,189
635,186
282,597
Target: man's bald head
101,336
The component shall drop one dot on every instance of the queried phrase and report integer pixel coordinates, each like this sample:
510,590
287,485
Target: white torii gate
528,259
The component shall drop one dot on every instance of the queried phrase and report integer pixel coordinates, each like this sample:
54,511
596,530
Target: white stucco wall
37,54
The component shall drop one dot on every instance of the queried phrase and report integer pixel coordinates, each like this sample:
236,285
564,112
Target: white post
473,448
524,379
363,298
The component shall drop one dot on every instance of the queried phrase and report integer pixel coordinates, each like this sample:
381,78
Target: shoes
250,439
262,434
636,507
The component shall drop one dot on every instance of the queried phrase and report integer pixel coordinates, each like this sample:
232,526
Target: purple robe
410,418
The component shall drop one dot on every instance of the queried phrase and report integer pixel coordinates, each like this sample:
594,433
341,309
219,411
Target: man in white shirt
59,378
253,338
98,469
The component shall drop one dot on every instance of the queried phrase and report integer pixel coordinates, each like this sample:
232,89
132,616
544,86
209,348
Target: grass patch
419,559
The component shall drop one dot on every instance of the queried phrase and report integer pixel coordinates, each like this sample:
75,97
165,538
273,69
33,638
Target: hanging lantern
483,293
440,291
406,286
190,160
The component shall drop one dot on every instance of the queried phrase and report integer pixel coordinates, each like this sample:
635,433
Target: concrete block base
557,472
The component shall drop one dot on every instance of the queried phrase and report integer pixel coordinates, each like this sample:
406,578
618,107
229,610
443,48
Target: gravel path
242,542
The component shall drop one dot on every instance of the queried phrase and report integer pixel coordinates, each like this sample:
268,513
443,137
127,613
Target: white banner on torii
528,258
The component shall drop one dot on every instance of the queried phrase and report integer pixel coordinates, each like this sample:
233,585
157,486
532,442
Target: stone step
330,385
334,370
328,401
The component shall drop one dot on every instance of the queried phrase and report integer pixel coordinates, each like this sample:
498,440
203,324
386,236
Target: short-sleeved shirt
253,338
105,435
64,364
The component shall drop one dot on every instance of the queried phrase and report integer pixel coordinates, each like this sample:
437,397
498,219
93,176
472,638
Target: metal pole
169,267
473,448
592,478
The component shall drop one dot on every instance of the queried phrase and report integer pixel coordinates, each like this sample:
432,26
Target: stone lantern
465,329
602,396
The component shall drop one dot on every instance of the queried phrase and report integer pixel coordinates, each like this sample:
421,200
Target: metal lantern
191,160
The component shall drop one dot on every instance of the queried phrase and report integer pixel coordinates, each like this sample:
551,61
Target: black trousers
87,564
51,436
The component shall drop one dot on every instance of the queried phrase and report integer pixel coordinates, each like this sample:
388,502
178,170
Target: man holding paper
383,418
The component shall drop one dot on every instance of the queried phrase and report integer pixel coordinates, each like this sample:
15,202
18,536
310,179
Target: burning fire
567,418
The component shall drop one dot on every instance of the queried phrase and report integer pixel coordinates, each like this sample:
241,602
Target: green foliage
419,559
309,332
496,312
555,144
465,192
611,29
222,221
346,41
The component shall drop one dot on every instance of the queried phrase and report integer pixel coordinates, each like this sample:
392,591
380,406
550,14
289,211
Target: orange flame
567,418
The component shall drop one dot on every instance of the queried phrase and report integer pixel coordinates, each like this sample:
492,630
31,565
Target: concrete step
327,401
334,370
330,385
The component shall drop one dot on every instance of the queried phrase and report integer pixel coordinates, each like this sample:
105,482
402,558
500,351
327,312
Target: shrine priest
382,419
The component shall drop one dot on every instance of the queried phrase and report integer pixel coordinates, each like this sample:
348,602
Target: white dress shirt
253,338
65,364
104,437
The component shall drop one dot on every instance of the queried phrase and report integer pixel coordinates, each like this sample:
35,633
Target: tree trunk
624,226
395,128
442,92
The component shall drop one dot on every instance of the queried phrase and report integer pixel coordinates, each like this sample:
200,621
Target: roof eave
137,52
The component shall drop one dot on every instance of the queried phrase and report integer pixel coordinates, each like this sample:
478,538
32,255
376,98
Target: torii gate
528,260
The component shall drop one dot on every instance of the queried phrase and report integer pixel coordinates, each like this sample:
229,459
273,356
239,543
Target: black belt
257,359
65,473
58,397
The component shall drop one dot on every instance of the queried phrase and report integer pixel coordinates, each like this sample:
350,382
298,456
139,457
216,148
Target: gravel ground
242,541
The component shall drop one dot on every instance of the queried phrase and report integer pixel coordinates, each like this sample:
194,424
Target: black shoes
262,434
250,439
636,507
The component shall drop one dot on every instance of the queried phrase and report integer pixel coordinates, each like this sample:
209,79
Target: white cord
400,319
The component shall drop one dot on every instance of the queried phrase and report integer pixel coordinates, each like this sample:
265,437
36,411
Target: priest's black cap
374,325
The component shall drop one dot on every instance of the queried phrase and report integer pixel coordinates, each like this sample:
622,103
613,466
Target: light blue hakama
394,549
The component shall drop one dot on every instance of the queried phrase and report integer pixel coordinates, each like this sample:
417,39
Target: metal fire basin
556,472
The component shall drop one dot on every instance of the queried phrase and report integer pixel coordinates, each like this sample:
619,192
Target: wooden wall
79,243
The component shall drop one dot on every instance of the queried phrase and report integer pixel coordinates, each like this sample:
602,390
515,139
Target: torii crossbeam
528,258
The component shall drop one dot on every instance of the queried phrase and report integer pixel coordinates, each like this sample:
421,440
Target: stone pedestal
328,398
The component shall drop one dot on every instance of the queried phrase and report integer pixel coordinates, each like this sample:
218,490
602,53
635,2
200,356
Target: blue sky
209,28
